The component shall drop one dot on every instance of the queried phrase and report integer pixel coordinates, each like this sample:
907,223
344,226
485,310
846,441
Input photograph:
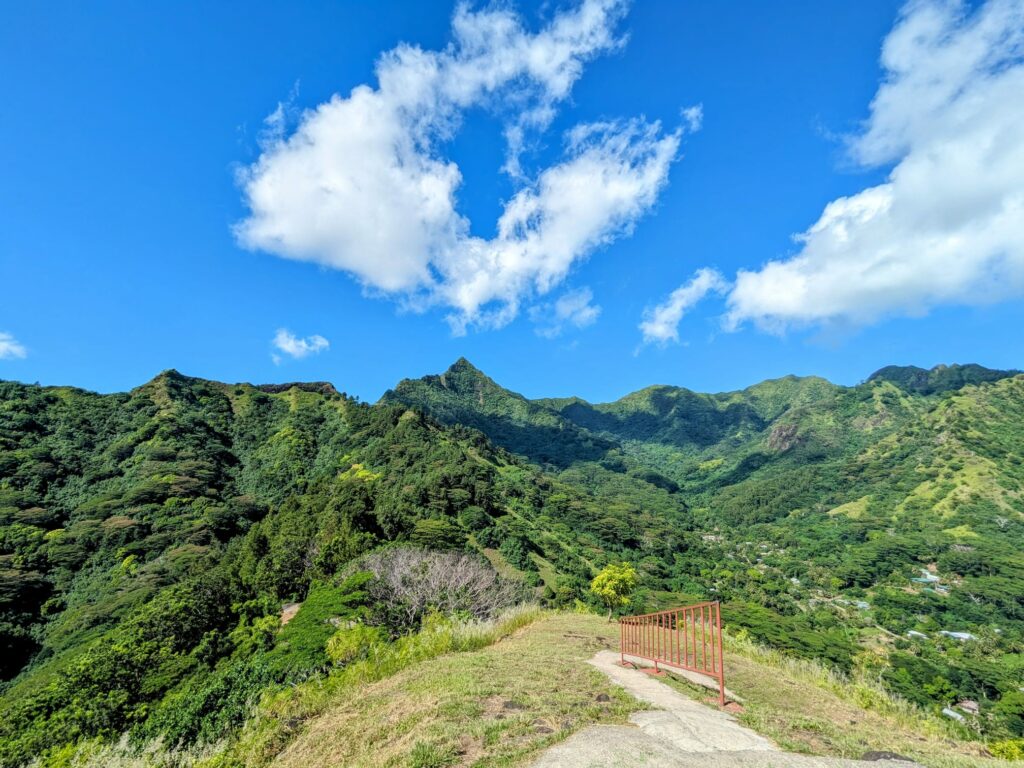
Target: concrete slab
681,721
678,733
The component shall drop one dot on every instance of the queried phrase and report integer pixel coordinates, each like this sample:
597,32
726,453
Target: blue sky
148,194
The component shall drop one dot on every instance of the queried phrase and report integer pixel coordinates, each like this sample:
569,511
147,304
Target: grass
497,706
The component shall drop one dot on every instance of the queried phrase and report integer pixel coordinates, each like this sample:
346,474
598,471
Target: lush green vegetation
613,586
833,521
151,541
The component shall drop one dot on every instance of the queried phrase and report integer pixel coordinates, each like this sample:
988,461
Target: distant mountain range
145,537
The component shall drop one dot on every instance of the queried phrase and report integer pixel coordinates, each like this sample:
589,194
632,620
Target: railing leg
721,658
622,643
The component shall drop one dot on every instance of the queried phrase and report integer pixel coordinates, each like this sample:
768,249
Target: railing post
703,638
721,658
686,637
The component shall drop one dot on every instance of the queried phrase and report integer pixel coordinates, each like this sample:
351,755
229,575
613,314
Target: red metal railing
687,638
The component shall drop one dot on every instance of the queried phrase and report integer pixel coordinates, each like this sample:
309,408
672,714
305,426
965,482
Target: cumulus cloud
947,225
573,308
10,347
362,185
297,348
661,323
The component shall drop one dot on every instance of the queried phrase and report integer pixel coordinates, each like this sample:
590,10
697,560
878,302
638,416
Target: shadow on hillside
681,424
549,445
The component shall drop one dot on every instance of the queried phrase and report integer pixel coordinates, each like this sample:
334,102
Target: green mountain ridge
149,539
941,378
465,395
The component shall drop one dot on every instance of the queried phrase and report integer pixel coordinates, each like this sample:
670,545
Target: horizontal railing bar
664,663
667,610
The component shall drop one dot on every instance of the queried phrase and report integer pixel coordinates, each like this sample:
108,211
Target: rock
288,612
876,755
783,437
603,697
512,705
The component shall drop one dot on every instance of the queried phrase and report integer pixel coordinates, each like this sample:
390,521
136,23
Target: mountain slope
464,395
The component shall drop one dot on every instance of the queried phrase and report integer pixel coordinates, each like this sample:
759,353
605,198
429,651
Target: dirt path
676,732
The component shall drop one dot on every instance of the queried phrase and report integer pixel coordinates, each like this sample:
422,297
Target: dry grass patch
498,706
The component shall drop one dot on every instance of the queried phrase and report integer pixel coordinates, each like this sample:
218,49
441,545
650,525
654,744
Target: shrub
301,644
438,534
489,537
516,550
475,518
351,643
1010,710
1008,749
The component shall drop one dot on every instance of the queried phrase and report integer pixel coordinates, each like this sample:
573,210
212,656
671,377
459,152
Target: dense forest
169,554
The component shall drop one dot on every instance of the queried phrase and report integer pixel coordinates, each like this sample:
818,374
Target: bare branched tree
409,583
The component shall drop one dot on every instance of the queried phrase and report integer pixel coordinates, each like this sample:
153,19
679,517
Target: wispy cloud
661,323
297,348
947,226
275,125
693,117
362,183
573,308
10,347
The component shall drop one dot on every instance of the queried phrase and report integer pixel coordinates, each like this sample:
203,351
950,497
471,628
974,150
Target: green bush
438,534
353,642
1008,749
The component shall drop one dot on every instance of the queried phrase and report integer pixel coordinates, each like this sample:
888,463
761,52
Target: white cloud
661,323
297,348
573,308
10,347
947,226
693,117
361,185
